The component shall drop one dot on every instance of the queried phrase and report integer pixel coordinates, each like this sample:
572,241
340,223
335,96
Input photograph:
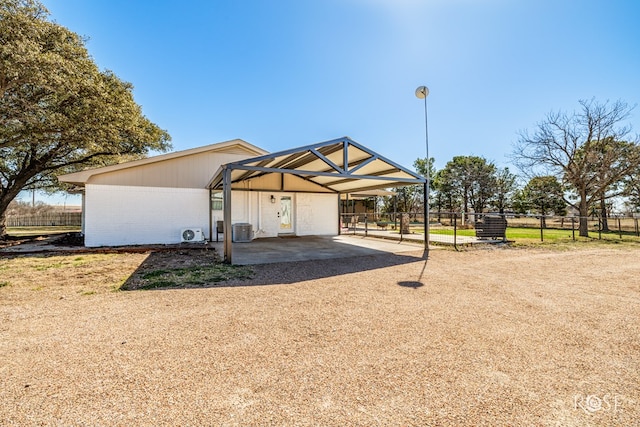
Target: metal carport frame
336,166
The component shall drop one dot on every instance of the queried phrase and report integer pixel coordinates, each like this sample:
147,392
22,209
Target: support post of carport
425,208
226,214
339,215
209,215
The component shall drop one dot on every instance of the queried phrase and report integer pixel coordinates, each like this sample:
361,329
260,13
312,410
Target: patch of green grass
88,293
3,284
155,284
193,276
524,234
43,267
155,274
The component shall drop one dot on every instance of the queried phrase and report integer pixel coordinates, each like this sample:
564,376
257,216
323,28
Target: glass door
286,214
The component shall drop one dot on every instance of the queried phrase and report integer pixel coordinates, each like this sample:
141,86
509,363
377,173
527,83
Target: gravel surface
483,337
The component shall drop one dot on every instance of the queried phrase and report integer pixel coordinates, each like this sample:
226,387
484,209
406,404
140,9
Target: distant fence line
457,228
46,219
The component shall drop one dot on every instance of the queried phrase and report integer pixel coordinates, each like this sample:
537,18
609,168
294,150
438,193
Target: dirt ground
488,337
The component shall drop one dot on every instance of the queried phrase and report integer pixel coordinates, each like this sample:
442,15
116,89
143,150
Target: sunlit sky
285,73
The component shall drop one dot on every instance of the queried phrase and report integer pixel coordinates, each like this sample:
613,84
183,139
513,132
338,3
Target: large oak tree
588,150
58,111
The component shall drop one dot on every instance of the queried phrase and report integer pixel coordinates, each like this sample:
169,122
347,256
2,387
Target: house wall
313,214
127,215
191,171
316,214
131,215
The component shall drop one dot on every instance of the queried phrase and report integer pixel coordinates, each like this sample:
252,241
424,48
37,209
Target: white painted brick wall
123,215
316,214
128,215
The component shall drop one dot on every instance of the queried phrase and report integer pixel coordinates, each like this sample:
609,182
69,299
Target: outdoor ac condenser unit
192,235
242,232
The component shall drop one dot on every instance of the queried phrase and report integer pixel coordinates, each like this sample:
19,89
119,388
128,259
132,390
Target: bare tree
614,160
588,150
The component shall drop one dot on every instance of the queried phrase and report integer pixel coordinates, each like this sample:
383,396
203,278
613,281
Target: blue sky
281,74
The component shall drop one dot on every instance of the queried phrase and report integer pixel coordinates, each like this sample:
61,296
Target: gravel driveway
484,337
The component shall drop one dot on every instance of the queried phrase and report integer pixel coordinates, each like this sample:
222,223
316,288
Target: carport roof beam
303,162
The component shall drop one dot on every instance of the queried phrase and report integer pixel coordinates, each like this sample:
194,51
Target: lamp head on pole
422,92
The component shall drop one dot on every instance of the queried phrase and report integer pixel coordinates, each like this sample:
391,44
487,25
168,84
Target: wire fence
45,219
454,228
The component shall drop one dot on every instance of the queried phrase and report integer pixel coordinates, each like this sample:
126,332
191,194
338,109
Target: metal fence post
619,228
354,220
541,232
504,238
573,228
599,228
365,225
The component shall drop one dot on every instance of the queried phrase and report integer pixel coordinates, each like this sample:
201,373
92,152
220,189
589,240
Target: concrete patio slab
441,239
288,249
258,251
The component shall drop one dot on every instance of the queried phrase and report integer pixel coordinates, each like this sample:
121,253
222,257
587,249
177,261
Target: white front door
286,215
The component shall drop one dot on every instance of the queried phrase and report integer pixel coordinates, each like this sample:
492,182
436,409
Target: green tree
427,170
519,202
408,199
505,185
420,165
58,112
447,198
583,149
471,177
544,195
632,189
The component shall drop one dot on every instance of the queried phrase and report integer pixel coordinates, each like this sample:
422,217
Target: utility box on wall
242,232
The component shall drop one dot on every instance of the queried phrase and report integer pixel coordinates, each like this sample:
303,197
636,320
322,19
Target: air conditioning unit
242,232
192,235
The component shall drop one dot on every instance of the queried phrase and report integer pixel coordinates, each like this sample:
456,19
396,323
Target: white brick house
291,192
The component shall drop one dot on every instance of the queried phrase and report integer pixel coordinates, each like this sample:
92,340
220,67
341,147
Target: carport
339,166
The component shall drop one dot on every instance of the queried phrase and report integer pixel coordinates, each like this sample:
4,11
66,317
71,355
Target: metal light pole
422,92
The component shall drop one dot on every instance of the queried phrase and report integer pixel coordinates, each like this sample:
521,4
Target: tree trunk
603,214
3,224
583,229
5,199
466,205
7,194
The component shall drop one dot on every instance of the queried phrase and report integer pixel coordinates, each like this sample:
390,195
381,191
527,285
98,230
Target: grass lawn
524,234
77,272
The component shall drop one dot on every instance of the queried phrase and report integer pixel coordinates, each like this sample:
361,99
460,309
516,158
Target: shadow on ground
264,261
171,270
